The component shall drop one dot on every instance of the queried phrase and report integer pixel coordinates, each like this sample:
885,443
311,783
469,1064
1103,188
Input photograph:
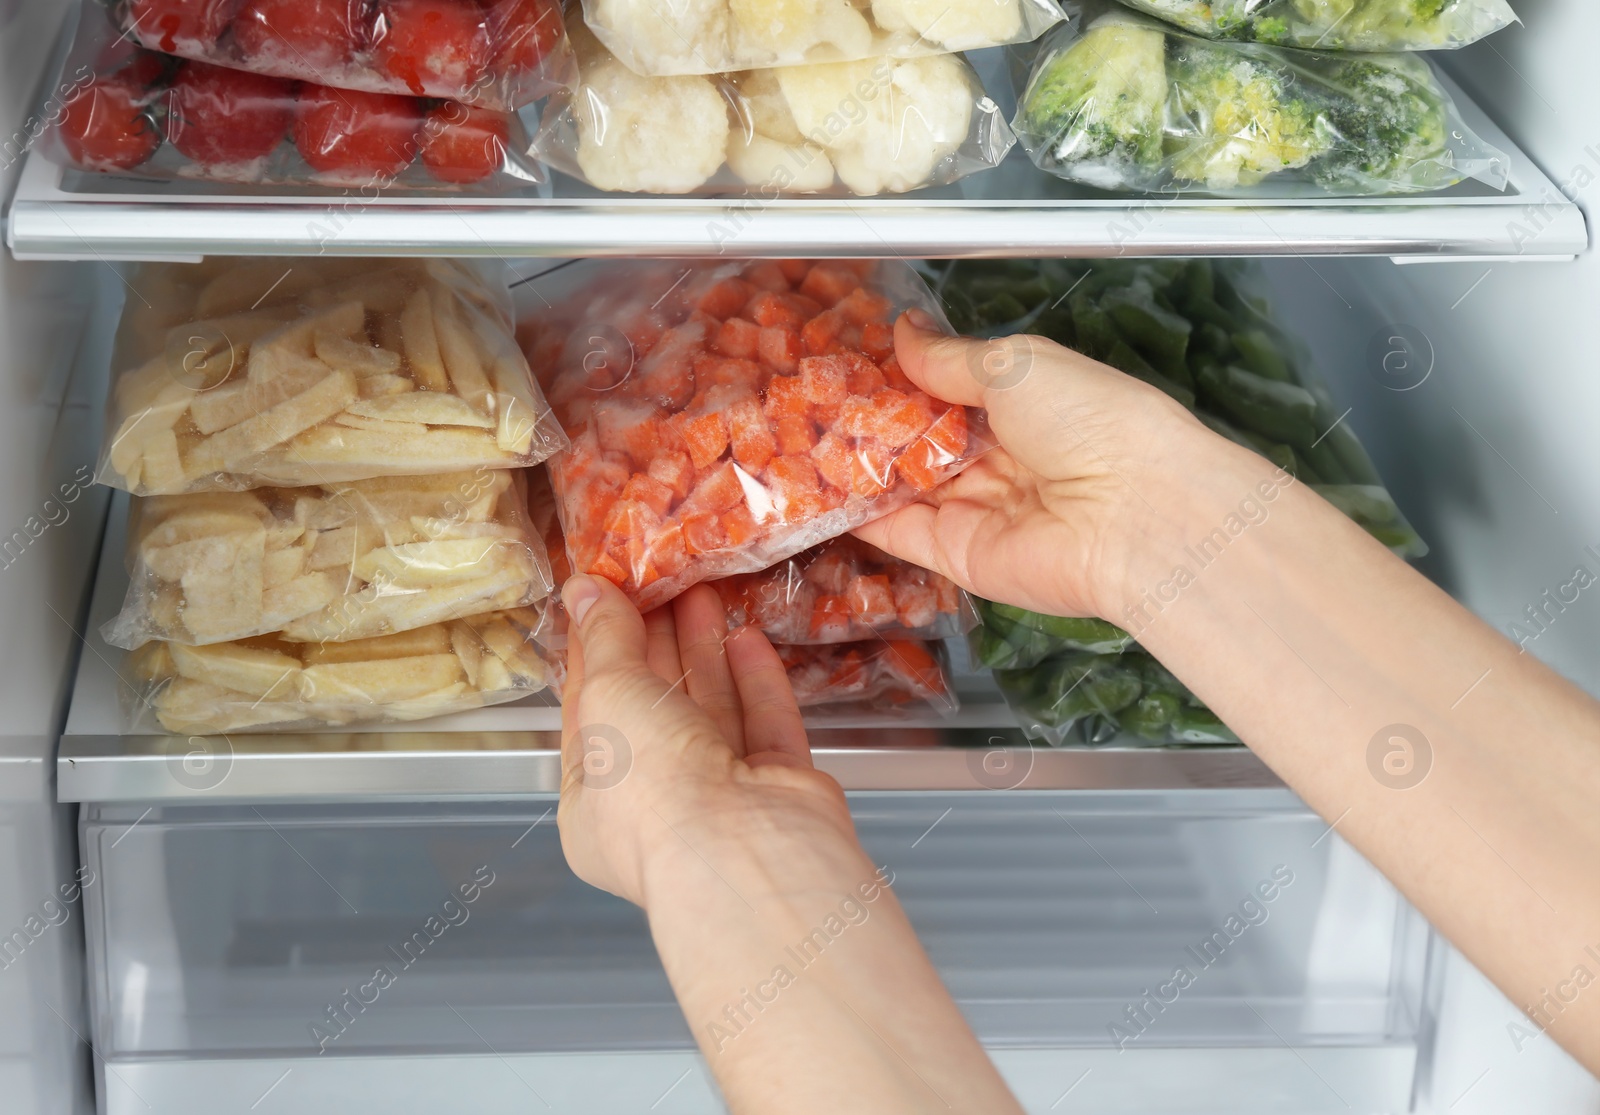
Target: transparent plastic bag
1122,102
717,36
270,684
1009,638
1204,333
1357,25
143,115
1080,696
876,126
331,563
878,676
725,416
843,591
245,373
499,54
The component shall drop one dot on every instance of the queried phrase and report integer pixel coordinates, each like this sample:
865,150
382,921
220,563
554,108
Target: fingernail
579,594
922,319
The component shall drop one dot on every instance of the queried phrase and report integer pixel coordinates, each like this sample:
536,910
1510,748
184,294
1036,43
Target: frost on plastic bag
877,676
843,591
1364,25
877,126
1083,697
1122,102
328,564
726,416
499,54
1204,333
716,36
268,683
239,374
137,114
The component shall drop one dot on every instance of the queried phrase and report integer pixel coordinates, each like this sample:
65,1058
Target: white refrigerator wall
50,522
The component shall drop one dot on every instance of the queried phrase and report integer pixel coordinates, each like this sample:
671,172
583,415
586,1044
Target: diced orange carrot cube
775,310
871,600
877,340
780,347
834,460
794,270
797,490
915,604
948,433
767,274
785,398
750,435
675,470
911,660
716,491
727,371
919,465
738,337
703,533
823,379
830,620
849,674
860,306
628,518
871,468
829,283
895,375
892,417
705,436
740,526
666,553
604,565
821,333
627,427
725,297
649,491
827,416
795,435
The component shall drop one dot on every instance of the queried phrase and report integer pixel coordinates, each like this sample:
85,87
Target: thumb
960,369
607,627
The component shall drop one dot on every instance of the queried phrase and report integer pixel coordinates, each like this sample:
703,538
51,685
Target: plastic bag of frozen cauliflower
662,37
879,126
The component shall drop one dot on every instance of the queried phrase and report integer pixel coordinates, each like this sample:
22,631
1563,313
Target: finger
702,631
605,625
936,362
661,643
772,722
907,534
571,690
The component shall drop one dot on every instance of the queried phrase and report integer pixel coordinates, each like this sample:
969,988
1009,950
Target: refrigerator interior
222,927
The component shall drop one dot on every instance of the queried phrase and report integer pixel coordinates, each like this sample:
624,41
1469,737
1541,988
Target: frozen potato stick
364,614
431,408
222,586
232,403
231,450
433,639
390,679
398,431
299,597
422,343
169,404
294,342
461,358
444,449
163,466
354,356
253,671
186,706
426,565
375,387
282,565
428,704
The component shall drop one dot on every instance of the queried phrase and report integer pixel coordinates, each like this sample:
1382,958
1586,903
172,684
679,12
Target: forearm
1359,653
805,985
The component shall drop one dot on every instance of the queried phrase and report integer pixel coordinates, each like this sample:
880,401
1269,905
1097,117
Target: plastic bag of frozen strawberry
879,675
842,591
725,416
498,54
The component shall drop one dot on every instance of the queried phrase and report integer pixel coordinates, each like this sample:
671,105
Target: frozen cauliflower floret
888,123
659,135
764,108
765,31
664,36
953,24
770,165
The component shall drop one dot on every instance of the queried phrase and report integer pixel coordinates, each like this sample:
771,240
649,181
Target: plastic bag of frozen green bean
1198,330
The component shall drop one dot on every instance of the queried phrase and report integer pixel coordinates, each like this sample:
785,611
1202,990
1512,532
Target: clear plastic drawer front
1220,933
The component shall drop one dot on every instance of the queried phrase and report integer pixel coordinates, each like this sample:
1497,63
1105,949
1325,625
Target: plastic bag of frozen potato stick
713,36
269,683
247,373
867,127
725,416
328,563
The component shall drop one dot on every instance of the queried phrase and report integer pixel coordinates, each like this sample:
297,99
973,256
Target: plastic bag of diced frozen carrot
842,591
875,675
725,416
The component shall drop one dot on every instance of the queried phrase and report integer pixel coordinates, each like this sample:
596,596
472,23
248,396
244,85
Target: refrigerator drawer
1110,944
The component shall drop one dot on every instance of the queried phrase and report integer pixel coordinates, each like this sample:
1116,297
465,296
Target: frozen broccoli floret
953,24
1243,117
1386,119
1102,99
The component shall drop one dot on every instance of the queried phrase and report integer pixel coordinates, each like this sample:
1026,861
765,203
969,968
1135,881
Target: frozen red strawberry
751,407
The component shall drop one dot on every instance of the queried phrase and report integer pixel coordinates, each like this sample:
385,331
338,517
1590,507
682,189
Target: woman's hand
1096,474
677,736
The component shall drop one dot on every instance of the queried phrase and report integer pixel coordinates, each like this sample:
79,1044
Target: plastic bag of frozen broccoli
1119,101
1357,25
1199,330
